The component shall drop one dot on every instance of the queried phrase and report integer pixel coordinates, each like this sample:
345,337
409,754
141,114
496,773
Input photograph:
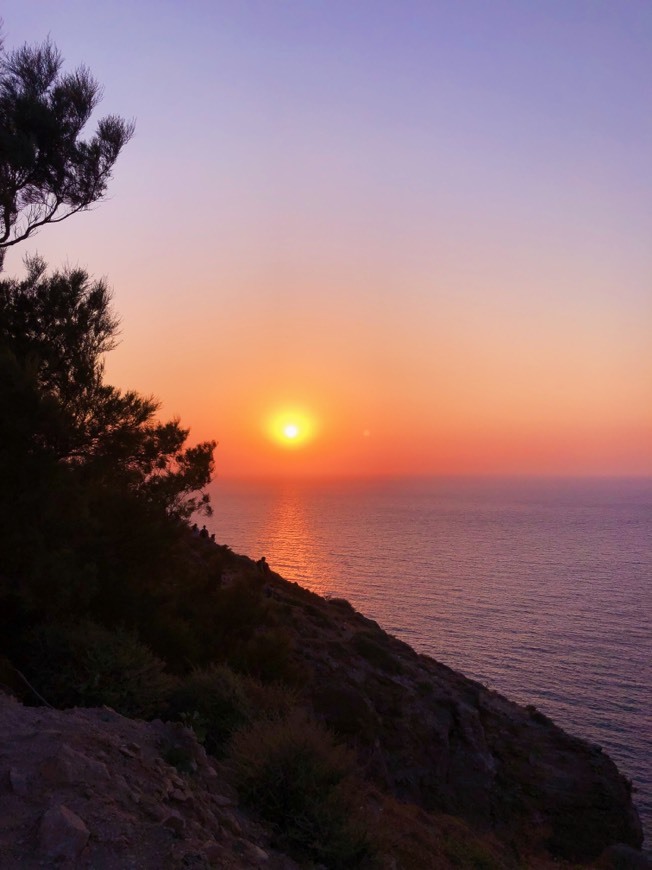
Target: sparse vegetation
304,785
86,665
214,703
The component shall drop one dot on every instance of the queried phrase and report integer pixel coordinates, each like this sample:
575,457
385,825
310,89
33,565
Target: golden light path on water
287,522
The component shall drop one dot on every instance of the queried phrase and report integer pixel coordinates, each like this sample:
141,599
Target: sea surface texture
541,590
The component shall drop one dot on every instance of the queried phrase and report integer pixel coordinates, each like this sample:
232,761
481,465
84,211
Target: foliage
217,702
93,487
83,664
267,655
47,172
54,331
406,836
214,703
294,775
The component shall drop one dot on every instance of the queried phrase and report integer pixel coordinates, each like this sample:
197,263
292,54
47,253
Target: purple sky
426,221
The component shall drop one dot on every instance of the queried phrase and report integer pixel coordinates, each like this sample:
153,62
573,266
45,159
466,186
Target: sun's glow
291,428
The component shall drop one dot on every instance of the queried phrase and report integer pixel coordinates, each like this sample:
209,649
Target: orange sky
431,234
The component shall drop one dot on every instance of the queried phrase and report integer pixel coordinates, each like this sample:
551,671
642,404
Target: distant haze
426,225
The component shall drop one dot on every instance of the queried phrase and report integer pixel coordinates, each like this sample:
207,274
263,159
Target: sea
539,588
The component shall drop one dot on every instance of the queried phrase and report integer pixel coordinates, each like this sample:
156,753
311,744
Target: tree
47,172
54,331
95,493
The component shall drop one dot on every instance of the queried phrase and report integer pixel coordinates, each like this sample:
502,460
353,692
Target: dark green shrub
294,775
266,655
87,665
270,702
214,703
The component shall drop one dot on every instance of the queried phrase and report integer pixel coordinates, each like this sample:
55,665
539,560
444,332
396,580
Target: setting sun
291,427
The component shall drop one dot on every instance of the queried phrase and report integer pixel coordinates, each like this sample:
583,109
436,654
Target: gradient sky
426,225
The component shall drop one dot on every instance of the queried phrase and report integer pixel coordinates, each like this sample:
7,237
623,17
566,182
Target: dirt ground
87,788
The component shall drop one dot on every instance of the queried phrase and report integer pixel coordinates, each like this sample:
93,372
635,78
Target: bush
266,655
216,702
213,703
294,775
86,665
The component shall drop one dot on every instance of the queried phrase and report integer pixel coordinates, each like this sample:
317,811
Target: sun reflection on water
292,546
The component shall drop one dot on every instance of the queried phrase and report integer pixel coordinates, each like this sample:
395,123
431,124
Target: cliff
433,737
441,772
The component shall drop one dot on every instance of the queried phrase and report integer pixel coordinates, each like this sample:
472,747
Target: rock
221,801
157,812
55,789
175,823
62,834
255,853
229,821
127,751
70,766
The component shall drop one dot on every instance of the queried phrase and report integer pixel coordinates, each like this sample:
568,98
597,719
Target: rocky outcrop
91,789
431,736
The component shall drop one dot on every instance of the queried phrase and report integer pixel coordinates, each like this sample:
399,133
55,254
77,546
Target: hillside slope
444,772
433,737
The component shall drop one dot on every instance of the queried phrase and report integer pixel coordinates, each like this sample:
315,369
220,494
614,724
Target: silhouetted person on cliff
203,533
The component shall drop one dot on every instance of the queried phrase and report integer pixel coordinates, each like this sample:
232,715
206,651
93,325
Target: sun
291,427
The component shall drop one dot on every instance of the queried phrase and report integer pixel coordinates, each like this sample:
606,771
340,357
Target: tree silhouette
54,330
95,492
47,172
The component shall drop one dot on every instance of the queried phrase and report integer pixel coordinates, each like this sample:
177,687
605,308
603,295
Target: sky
418,232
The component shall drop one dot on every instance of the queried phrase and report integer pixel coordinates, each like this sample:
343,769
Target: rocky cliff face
435,738
91,789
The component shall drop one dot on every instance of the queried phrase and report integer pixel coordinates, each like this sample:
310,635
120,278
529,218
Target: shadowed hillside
312,711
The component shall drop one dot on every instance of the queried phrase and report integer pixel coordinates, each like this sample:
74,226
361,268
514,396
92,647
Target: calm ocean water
542,590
